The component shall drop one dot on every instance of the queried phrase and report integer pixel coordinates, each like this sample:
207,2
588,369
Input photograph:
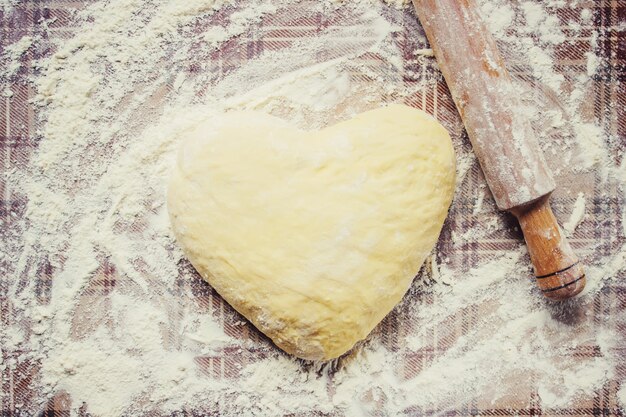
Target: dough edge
310,340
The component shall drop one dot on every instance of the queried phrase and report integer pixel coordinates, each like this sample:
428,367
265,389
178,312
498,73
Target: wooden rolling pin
501,136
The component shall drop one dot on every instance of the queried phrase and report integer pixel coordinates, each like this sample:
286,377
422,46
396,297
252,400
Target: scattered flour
499,17
542,24
621,395
593,62
424,52
120,329
578,213
7,6
12,55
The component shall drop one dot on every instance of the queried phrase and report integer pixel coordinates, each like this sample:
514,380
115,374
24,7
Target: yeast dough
312,236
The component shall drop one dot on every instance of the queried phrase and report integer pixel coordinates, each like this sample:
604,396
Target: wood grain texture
502,137
558,271
487,100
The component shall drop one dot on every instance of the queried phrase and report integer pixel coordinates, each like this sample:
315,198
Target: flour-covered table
101,314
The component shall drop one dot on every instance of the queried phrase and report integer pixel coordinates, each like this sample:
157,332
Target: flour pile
125,326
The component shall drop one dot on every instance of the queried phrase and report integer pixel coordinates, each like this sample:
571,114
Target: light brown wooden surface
558,271
501,135
488,102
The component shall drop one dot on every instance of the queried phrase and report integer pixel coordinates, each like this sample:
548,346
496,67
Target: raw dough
313,236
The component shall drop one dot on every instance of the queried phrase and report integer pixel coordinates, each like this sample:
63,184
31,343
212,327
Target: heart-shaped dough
313,236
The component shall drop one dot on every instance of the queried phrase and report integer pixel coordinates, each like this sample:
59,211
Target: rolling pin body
501,136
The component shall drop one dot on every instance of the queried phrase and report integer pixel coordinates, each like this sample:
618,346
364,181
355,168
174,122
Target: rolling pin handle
559,273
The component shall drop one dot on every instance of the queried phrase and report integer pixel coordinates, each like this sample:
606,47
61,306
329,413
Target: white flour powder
578,213
12,55
7,5
115,98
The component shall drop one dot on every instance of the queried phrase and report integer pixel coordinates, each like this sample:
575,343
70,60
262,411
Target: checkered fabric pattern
597,237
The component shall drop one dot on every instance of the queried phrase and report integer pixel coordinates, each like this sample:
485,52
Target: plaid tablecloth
597,237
